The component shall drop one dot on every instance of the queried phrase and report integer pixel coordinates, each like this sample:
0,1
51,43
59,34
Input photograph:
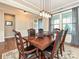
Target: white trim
2,26
9,37
66,7
28,2
66,11
56,10
18,5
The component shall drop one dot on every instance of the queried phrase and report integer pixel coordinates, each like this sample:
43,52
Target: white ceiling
50,5
54,3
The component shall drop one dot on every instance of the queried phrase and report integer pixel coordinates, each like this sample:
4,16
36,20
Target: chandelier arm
43,4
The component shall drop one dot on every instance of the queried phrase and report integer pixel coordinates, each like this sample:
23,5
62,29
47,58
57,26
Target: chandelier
44,13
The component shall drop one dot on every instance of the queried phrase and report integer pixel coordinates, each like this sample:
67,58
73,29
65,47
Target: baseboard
9,38
13,37
2,43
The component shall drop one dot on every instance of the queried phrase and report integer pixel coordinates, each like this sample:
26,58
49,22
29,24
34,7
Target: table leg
41,55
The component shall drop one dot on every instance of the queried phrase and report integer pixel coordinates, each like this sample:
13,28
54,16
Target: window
64,21
40,24
55,22
67,21
67,17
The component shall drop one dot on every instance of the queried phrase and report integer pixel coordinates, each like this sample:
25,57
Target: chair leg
52,56
19,56
37,55
63,48
41,55
37,52
23,56
57,55
61,51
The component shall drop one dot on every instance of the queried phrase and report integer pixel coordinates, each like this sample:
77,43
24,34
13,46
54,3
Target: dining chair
62,41
40,33
53,50
24,49
54,32
31,32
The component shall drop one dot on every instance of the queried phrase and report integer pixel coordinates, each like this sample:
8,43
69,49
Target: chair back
40,33
57,41
64,36
19,41
56,29
31,32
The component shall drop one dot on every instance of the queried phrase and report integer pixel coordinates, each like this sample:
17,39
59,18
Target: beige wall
22,21
46,24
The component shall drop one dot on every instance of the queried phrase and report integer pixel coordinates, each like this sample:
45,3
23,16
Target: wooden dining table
41,44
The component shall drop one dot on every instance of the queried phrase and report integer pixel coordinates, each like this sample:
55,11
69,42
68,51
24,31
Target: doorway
9,25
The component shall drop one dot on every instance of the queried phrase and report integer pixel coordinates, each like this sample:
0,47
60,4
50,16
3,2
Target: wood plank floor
8,45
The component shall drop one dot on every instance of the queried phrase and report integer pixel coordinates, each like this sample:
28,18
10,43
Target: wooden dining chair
54,48
24,49
54,32
40,33
31,32
62,41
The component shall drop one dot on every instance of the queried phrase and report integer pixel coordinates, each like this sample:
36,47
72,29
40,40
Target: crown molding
36,11
28,2
59,9
20,6
66,7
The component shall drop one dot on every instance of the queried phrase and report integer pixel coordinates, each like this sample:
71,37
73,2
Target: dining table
41,44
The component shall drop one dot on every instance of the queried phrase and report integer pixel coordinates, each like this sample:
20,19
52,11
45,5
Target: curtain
75,27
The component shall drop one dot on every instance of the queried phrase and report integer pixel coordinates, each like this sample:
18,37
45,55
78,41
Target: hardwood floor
8,45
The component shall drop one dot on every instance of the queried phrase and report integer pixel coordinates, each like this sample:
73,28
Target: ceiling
49,5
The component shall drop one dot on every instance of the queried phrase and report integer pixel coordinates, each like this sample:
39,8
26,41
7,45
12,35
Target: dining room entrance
9,25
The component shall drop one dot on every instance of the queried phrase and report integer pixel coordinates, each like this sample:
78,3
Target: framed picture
8,23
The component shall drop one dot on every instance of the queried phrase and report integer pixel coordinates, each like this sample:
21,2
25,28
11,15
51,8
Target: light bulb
40,14
45,14
49,16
